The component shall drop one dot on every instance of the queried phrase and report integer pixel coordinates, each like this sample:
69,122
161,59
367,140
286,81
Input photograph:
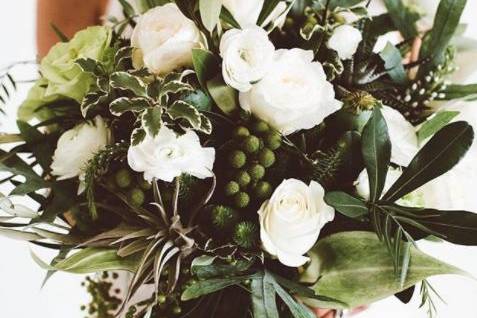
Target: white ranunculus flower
291,221
417,198
168,155
402,135
164,39
246,12
77,146
247,55
345,41
294,94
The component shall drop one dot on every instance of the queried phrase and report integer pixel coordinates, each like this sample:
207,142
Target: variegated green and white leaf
124,104
137,136
126,81
92,100
183,110
151,120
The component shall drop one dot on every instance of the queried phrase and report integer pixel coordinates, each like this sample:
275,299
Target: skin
69,16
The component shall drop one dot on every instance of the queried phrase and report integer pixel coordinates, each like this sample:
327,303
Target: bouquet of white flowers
256,158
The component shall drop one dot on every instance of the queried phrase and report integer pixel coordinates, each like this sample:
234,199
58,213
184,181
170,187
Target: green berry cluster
134,185
104,299
253,152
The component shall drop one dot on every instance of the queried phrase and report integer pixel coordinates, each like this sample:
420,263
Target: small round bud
143,184
232,188
260,127
123,178
243,178
256,172
137,196
266,157
273,140
177,310
251,144
241,132
241,200
246,234
237,159
223,217
161,299
263,190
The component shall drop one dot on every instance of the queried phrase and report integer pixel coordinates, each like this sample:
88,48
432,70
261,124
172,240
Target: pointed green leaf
435,123
439,155
151,120
264,303
376,149
465,92
393,63
346,204
205,287
404,17
224,96
356,268
206,65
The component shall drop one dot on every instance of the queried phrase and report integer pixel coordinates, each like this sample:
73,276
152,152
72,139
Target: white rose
291,221
402,135
168,155
77,146
247,55
345,41
164,39
246,12
294,94
417,198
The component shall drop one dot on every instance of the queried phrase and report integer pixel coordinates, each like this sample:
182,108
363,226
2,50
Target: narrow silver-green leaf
435,123
346,204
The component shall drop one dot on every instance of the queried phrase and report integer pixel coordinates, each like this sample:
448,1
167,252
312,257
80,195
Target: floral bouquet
243,158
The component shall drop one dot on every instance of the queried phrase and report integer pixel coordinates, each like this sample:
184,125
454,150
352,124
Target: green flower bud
241,200
232,188
177,310
223,217
243,178
237,159
263,190
241,132
273,140
266,157
137,196
256,172
123,178
161,299
246,234
260,127
143,184
251,144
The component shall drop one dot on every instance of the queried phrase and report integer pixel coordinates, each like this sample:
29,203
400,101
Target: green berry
260,127
232,188
256,172
177,310
237,159
273,140
263,190
266,157
243,178
143,184
137,196
241,132
161,299
223,217
241,200
246,234
123,178
251,144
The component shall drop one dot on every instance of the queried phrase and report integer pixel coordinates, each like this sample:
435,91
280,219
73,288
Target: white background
20,277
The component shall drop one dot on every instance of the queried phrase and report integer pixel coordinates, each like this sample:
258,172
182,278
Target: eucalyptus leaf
393,63
356,268
439,155
224,96
346,204
376,149
264,304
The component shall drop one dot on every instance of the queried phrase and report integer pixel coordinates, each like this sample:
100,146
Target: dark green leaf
206,65
403,17
215,270
61,36
346,204
264,302
439,155
228,18
90,66
127,8
137,136
297,309
209,286
376,149
393,63
60,200
435,123
267,9
224,96
466,92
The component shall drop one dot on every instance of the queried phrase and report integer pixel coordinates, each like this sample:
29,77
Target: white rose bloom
402,135
247,55
294,94
417,198
345,41
291,221
246,12
77,146
168,155
164,39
